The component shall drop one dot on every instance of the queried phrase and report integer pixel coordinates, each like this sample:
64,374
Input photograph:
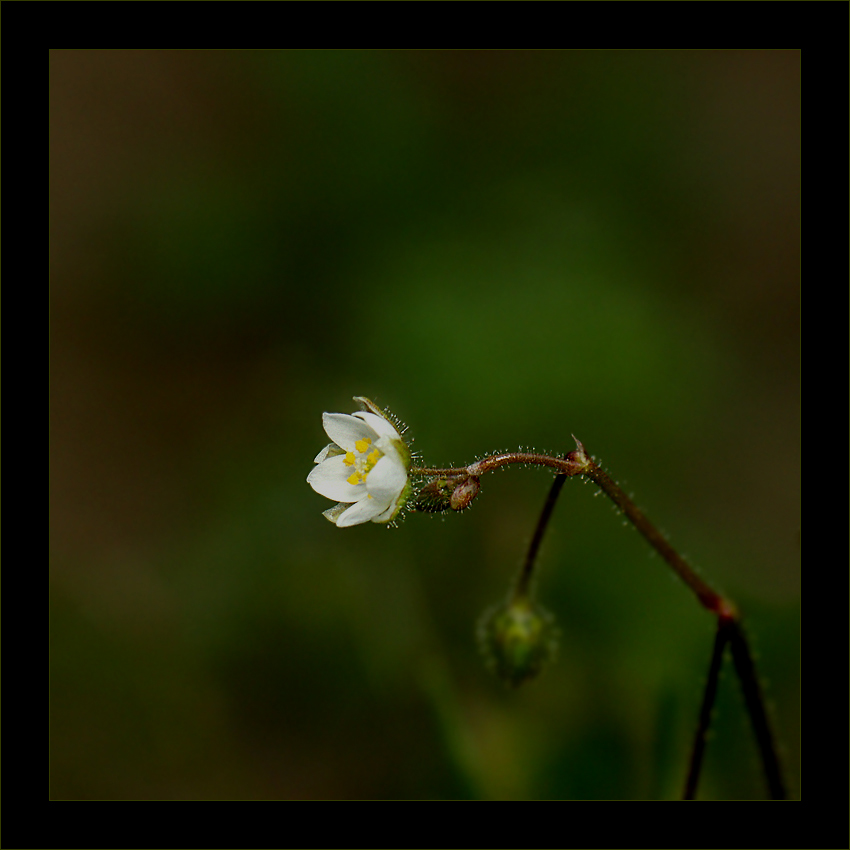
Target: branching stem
578,462
729,630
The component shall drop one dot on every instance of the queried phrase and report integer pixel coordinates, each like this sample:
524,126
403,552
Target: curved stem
729,630
488,464
578,462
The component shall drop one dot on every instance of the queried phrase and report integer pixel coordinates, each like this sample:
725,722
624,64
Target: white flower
364,468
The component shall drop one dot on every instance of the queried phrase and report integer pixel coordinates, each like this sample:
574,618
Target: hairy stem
707,597
578,462
729,630
488,464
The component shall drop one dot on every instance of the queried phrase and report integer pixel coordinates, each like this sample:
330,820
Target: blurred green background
504,248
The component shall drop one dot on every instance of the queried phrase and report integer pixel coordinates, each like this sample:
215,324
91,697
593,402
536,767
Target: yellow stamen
361,461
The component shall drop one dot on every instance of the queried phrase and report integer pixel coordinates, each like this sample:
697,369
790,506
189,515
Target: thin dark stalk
524,580
720,641
755,708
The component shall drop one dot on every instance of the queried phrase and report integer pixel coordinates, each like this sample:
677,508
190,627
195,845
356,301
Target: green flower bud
442,494
518,638
435,496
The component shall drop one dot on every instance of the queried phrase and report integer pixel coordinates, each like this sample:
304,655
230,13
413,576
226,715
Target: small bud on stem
441,494
579,462
464,493
517,639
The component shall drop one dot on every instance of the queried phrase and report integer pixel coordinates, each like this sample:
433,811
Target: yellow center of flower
362,460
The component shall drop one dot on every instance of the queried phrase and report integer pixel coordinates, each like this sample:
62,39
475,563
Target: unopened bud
442,494
517,638
464,493
435,496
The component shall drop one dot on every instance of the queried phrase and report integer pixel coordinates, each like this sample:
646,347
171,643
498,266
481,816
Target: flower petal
330,479
363,511
346,430
387,479
382,427
387,515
